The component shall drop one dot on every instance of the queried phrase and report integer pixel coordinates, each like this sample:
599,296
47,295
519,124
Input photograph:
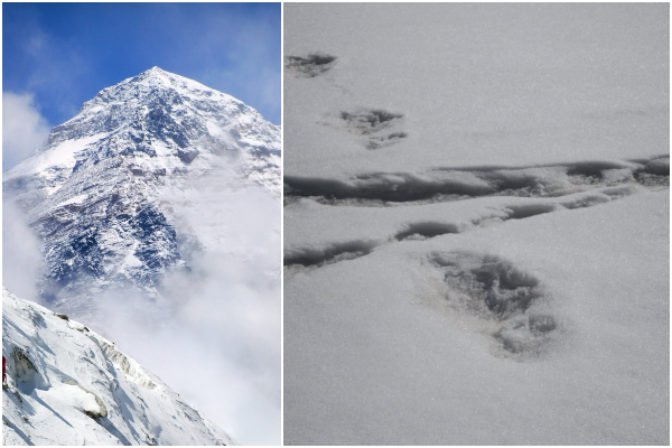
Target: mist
22,259
24,129
213,331
213,335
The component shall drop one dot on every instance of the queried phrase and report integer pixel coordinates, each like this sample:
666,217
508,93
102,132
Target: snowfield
476,224
67,385
386,348
476,85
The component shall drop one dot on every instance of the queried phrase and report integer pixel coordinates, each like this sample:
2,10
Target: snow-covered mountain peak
157,72
165,120
172,109
94,192
156,76
156,81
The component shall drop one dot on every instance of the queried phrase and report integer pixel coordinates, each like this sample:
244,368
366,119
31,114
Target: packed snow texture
67,385
476,224
476,84
400,347
156,215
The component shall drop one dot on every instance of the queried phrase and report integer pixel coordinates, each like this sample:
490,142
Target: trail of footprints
449,184
512,304
424,229
376,128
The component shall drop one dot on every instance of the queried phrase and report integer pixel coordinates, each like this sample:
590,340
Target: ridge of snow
60,156
67,385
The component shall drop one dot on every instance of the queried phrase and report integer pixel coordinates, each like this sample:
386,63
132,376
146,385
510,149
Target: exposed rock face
93,194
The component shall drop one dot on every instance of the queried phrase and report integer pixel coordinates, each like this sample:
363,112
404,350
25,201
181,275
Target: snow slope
67,385
476,224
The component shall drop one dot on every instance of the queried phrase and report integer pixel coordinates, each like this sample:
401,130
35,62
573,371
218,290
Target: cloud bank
24,129
22,262
214,334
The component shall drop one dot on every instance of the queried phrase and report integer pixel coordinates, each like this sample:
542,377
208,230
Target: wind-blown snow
67,385
60,156
24,129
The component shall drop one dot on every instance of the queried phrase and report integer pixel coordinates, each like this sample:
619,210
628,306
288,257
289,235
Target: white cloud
24,129
21,257
217,343
214,334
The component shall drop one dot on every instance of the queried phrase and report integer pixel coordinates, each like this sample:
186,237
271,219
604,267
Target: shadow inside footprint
331,253
495,290
422,230
369,121
385,140
312,65
528,210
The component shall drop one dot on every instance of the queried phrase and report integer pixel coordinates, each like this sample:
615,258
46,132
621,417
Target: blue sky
62,54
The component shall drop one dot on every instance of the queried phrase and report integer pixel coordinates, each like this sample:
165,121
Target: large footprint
494,290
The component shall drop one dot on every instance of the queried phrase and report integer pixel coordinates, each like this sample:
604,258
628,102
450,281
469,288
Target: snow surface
478,84
476,224
60,156
377,352
68,385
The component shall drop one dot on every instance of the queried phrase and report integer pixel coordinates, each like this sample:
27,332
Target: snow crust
67,385
476,224
378,351
477,84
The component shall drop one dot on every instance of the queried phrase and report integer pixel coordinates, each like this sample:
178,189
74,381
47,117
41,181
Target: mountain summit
167,117
95,193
